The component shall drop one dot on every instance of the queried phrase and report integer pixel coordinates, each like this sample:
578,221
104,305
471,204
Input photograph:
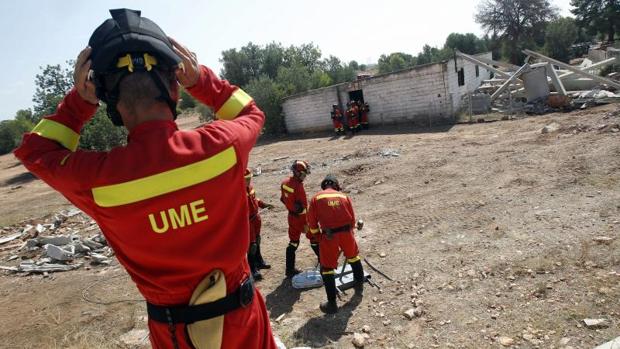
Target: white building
426,94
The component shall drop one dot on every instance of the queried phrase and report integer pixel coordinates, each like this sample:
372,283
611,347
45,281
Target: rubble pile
541,87
64,241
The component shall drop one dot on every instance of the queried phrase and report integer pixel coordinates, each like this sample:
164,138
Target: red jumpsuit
331,209
254,204
170,203
353,117
337,120
365,109
294,194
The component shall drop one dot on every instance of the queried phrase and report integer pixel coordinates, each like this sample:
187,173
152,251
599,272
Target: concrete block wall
409,96
472,82
310,111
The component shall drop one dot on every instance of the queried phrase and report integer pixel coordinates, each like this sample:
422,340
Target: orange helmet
300,166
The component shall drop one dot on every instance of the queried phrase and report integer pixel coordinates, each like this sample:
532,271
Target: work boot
290,262
257,275
260,262
329,307
358,276
315,248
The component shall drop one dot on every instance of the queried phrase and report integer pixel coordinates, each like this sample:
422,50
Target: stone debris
366,329
358,340
389,153
413,313
552,127
596,323
136,338
63,247
506,341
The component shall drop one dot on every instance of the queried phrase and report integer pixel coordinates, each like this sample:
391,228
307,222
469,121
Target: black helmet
330,180
126,43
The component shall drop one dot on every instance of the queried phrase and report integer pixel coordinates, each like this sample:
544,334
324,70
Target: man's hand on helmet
84,87
189,72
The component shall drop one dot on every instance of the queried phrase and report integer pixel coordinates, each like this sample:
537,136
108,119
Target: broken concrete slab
535,83
59,253
46,267
596,323
612,344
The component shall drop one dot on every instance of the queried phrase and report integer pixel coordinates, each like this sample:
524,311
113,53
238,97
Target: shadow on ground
21,178
327,329
282,298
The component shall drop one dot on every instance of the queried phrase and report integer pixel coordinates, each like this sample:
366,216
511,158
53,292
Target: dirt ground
492,230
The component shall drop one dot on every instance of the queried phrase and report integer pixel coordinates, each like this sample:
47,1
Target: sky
41,32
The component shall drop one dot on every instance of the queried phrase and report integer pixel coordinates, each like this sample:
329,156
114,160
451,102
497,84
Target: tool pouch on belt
207,334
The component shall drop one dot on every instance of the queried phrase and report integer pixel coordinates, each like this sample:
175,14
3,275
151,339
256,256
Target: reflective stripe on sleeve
57,132
234,105
287,188
314,231
327,272
354,259
165,182
334,195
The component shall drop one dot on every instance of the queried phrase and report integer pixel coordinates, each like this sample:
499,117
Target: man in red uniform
336,115
255,258
331,216
353,117
293,196
364,108
171,203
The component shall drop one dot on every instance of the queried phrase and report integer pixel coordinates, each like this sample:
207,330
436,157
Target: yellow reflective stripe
165,182
334,195
57,132
354,259
64,160
328,272
314,231
287,188
234,105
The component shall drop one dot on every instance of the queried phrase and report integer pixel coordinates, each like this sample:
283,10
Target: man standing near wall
337,119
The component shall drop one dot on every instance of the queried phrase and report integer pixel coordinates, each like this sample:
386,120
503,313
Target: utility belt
329,232
188,314
291,213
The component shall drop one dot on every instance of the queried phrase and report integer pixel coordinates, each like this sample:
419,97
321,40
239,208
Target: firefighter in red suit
331,217
364,109
353,117
337,117
171,203
255,258
293,196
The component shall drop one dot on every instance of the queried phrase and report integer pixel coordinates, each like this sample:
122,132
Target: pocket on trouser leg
207,334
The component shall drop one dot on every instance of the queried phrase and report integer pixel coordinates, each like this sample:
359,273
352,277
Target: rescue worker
255,259
293,196
331,217
170,203
352,117
337,119
364,119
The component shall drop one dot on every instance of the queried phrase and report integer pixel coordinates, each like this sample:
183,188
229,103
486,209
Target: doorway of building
356,95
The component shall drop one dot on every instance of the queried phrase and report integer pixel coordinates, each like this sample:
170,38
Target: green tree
598,16
467,43
268,96
294,79
52,83
100,134
187,101
517,23
560,35
394,62
11,132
